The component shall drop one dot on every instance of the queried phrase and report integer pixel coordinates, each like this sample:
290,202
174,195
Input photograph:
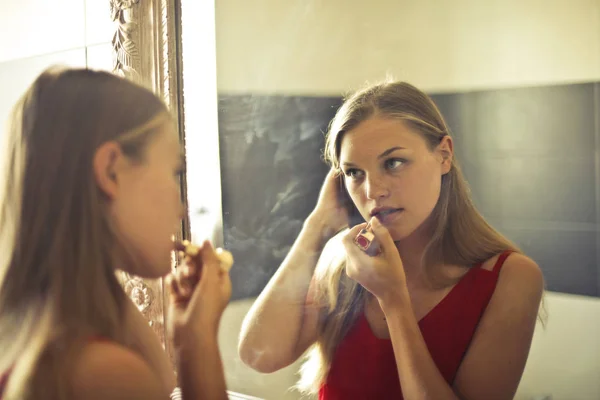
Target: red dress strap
3,382
500,262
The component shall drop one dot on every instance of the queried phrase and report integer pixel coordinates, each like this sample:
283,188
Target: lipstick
224,256
364,238
366,241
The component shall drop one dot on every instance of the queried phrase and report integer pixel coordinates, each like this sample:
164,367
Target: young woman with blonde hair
90,185
444,309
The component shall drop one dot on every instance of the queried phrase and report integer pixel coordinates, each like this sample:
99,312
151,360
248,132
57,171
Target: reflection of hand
329,211
200,291
381,274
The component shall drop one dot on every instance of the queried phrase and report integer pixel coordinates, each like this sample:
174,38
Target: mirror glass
518,81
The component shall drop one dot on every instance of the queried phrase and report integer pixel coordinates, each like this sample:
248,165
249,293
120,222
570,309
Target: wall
324,47
314,49
67,32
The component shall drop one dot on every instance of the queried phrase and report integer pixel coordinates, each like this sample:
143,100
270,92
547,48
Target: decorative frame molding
147,50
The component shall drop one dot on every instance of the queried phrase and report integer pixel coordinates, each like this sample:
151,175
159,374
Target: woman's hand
330,211
200,291
381,274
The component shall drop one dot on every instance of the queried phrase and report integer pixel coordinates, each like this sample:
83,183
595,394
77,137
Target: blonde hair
461,236
58,285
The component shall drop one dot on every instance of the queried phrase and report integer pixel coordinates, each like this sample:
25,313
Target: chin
155,270
415,233
399,234
154,274
162,270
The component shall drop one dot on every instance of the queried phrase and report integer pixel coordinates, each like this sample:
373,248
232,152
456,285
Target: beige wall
326,47
313,47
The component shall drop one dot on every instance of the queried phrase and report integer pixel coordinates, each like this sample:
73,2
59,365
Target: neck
440,275
411,251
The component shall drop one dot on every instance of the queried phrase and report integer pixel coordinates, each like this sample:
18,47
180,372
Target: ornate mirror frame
146,49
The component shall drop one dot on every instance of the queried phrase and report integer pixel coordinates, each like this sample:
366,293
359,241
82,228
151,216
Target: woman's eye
394,163
353,173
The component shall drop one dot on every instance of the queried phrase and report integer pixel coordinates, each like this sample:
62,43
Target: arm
195,323
496,358
280,326
200,367
495,361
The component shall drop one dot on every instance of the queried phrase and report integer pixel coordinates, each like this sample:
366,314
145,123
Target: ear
446,151
107,161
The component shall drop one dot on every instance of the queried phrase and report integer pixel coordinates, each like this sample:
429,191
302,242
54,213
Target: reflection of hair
460,236
57,282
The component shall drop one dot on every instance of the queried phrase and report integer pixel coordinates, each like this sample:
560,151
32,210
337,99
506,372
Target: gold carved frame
147,50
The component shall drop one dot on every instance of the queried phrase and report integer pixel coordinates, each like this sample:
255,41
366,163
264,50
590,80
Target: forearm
201,375
420,378
272,326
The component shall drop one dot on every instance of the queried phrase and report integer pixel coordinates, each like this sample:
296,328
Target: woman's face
146,206
391,173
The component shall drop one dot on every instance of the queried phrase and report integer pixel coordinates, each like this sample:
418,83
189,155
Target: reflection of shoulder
520,279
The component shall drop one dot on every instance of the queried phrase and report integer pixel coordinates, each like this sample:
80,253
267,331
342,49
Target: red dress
364,366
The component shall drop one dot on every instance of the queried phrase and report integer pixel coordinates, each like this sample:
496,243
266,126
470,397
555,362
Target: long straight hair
58,285
461,236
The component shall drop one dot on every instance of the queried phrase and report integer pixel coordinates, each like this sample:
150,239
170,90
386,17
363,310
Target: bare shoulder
495,360
517,268
106,370
520,275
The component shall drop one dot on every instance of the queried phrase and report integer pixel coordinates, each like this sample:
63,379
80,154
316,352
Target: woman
444,309
92,165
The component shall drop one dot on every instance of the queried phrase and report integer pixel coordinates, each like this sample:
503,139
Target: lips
384,214
384,211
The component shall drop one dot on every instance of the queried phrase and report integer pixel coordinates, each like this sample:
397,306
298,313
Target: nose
376,188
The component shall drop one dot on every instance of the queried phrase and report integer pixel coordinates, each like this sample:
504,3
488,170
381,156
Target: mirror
517,81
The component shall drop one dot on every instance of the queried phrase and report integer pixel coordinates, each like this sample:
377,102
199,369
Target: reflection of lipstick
224,256
365,240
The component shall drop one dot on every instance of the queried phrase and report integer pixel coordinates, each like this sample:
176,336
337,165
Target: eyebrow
384,154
